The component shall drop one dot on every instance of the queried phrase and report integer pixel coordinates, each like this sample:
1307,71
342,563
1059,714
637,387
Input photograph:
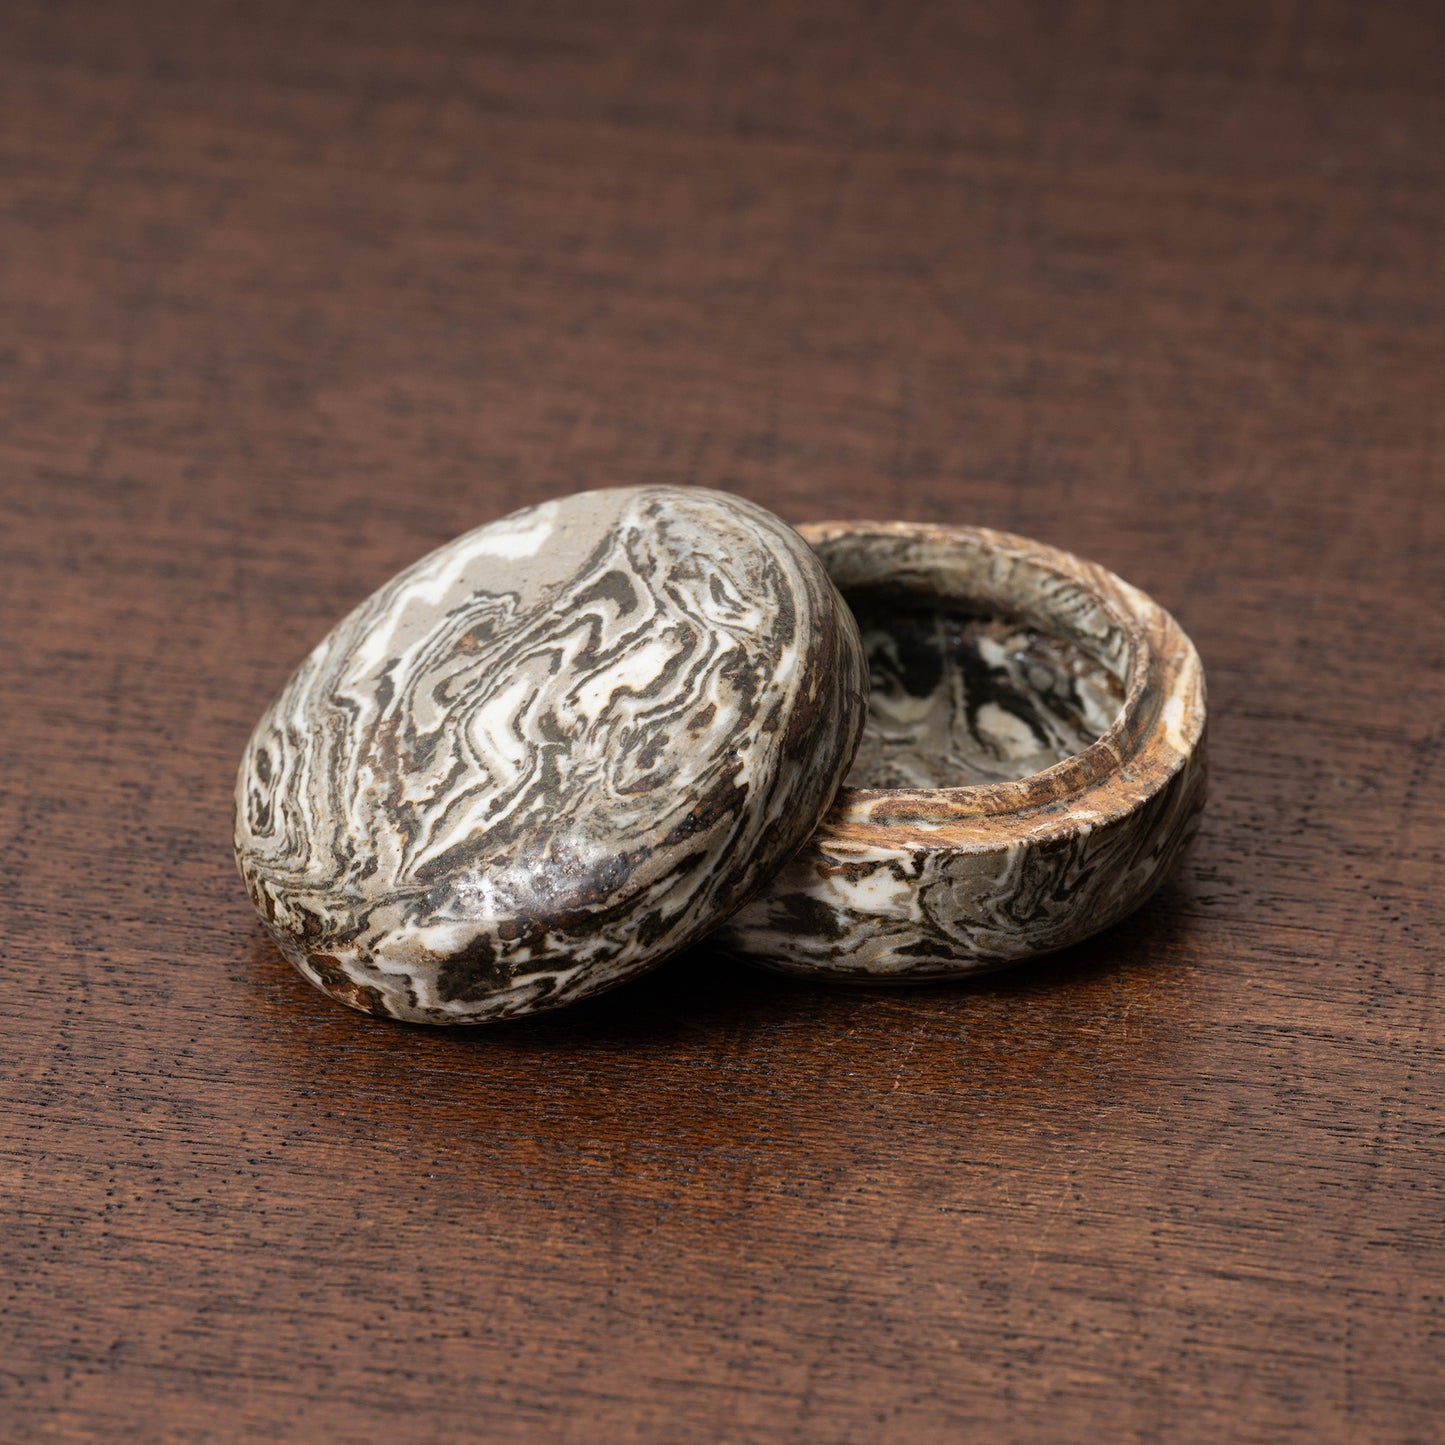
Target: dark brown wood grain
292,293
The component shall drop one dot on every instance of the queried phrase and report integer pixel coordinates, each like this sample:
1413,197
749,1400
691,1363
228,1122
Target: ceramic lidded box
573,742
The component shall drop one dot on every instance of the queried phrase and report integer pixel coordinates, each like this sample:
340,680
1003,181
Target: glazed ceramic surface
550,754
1032,766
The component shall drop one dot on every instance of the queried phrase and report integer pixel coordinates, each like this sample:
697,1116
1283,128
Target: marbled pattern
958,699
1032,767
550,754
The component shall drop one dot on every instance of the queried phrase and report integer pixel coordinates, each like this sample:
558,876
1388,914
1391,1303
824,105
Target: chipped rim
1157,731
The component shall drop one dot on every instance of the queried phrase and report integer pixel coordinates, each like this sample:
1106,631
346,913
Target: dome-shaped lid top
550,754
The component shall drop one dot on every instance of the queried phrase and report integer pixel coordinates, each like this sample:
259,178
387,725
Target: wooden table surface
290,294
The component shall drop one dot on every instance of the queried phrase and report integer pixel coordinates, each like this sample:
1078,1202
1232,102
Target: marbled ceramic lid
550,754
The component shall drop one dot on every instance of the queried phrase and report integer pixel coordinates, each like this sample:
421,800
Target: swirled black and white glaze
550,754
